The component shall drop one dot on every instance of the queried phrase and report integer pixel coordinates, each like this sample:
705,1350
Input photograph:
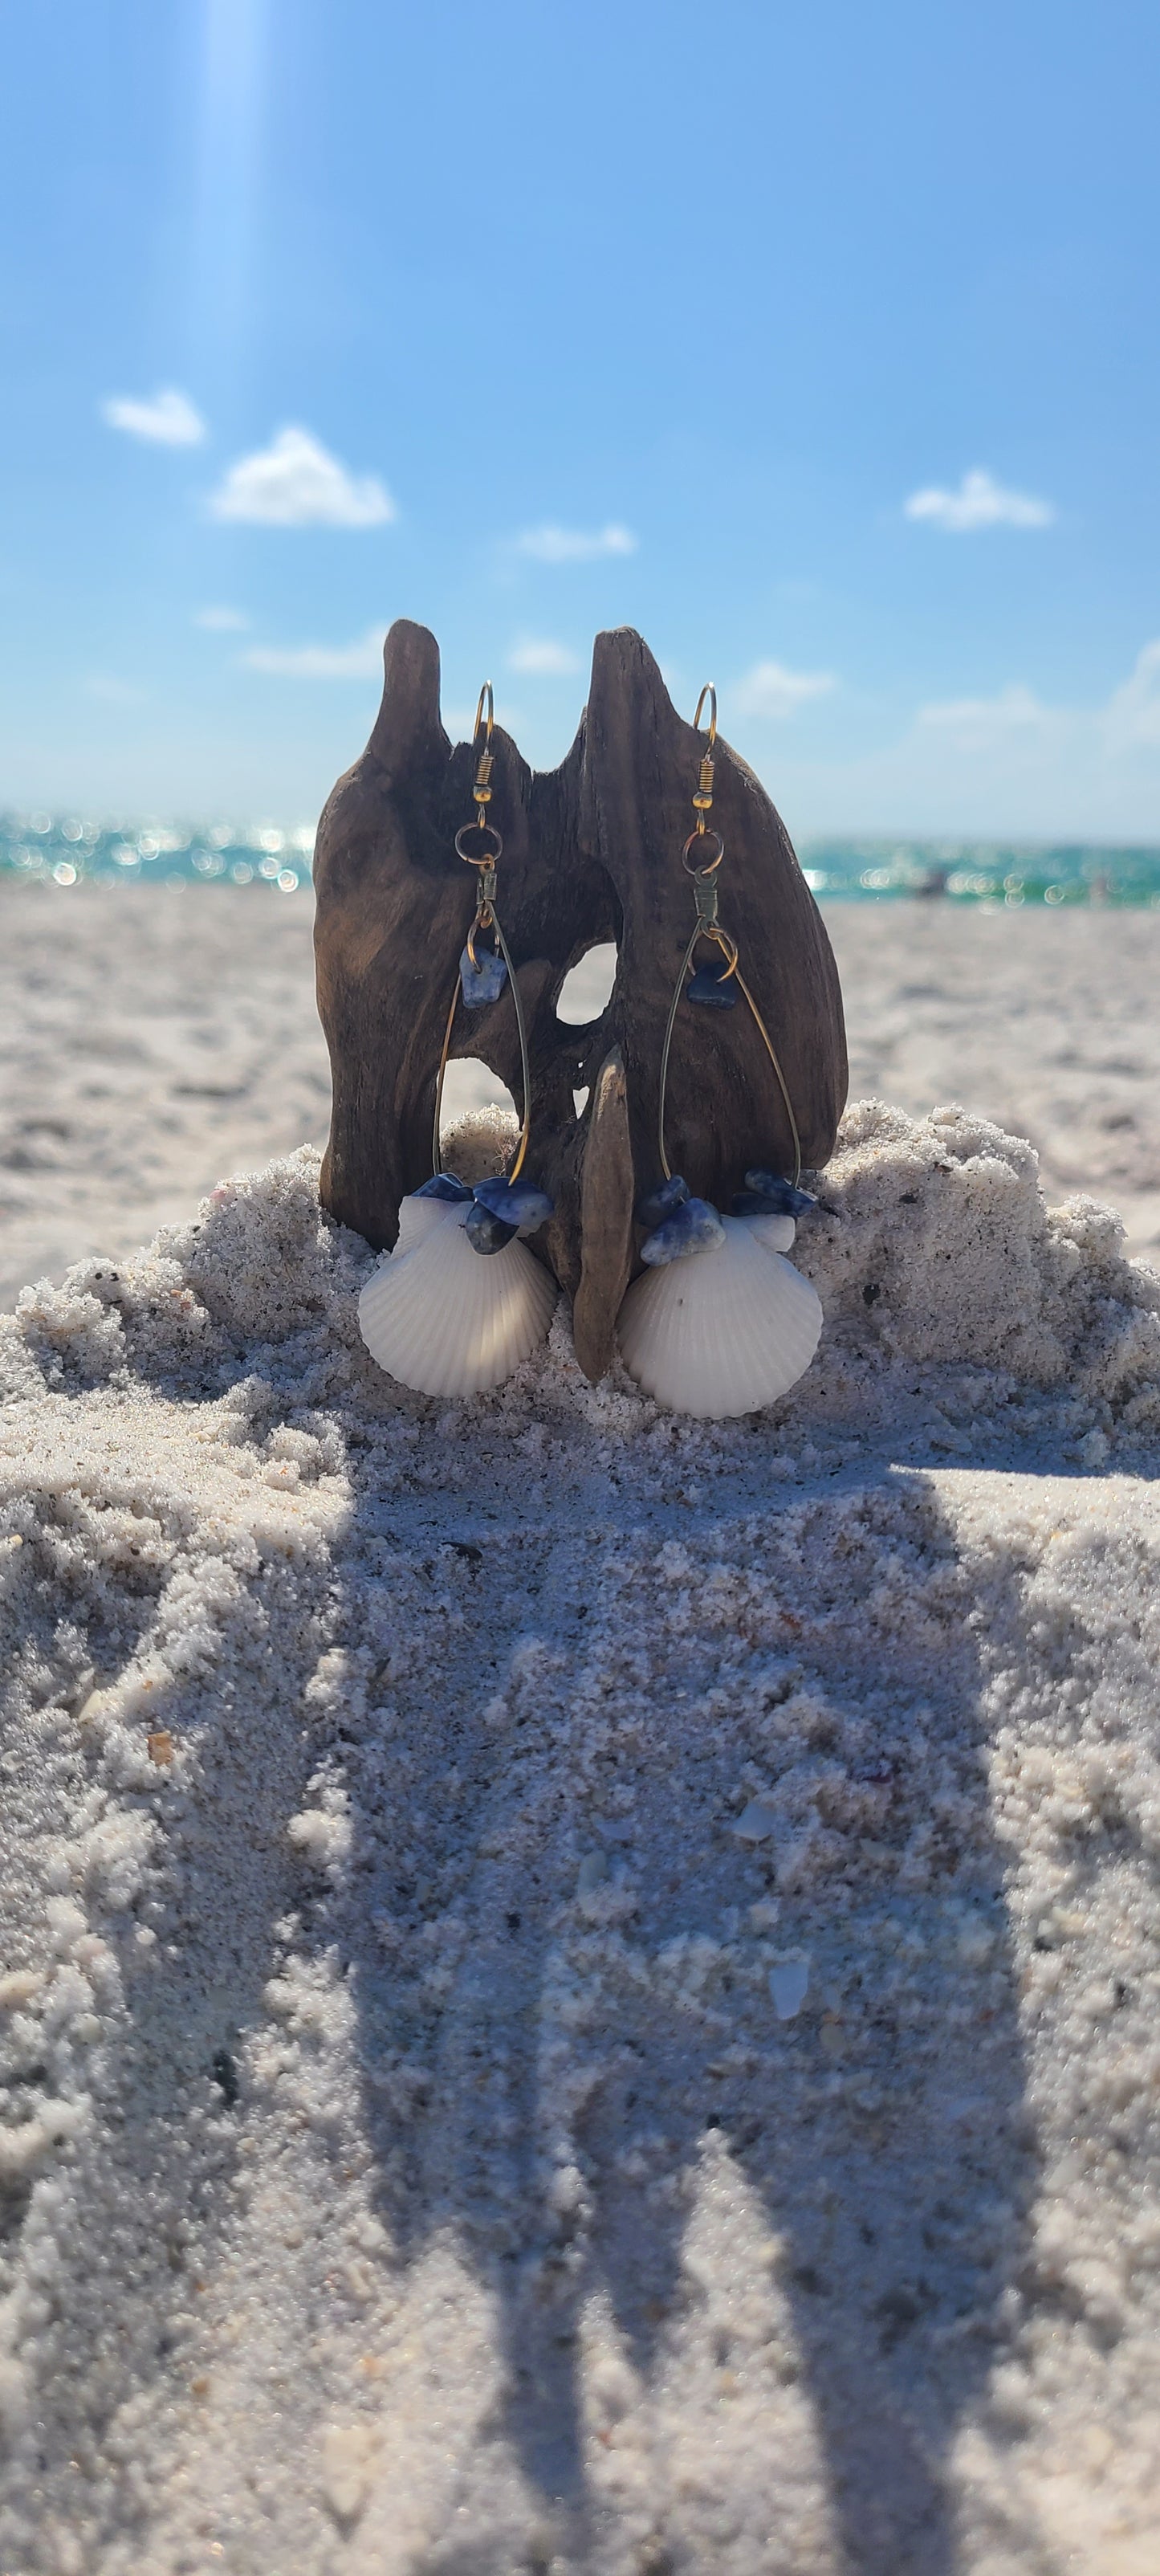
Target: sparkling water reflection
68,849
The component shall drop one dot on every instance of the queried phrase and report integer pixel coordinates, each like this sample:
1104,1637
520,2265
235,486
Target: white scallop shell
445,1319
724,1331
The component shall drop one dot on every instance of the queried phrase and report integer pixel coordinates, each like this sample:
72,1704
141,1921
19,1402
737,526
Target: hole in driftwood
586,988
471,1085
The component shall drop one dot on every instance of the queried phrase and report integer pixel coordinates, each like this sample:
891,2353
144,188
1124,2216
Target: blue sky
820,344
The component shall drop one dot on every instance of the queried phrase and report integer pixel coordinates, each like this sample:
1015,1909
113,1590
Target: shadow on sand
565,2016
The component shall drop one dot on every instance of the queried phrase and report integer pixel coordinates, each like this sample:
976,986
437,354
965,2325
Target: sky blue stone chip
660,1203
778,1197
518,1203
443,1185
714,987
486,1232
695,1227
483,982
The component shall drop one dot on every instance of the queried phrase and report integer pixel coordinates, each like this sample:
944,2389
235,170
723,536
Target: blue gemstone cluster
499,1211
443,1185
678,1225
504,1209
660,1203
766,1194
484,981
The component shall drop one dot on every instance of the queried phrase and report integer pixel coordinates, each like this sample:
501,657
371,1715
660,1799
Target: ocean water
69,849
994,873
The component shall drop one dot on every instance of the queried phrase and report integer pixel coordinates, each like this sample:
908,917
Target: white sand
150,1040
439,2142
153,1038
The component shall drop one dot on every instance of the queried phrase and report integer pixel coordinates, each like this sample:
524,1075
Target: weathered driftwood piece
591,853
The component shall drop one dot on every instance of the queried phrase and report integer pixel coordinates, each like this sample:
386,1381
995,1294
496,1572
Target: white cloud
362,660
1132,716
771,691
169,419
295,483
1006,765
221,621
554,545
980,502
981,724
542,658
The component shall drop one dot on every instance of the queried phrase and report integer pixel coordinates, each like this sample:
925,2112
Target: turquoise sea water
67,849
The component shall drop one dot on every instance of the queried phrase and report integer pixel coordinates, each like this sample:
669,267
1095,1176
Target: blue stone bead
519,1203
709,987
485,1232
778,1197
751,1203
443,1185
483,982
695,1227
660,1203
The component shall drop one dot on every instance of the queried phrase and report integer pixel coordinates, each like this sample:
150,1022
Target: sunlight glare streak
234,82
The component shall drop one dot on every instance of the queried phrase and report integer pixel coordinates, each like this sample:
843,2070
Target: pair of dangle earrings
719,1324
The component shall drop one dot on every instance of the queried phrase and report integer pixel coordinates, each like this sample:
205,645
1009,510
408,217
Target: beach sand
156,1038
579,1989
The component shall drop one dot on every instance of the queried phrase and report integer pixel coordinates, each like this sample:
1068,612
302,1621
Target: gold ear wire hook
703,798
483,767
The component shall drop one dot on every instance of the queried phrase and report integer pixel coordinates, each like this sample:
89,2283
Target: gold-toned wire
526,1121
703,796
486,918
708,927
771,1051
493,923
678,989
436,1156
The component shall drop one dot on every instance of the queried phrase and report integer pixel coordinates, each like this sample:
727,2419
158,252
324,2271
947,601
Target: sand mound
580,1989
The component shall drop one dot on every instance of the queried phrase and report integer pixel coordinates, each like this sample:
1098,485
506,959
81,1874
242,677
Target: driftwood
591,853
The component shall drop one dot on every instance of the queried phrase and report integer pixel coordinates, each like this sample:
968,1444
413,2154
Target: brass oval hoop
698,838
485,697
728,947
707,692
491,858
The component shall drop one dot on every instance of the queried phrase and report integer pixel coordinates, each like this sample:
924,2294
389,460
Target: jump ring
700,838
490,858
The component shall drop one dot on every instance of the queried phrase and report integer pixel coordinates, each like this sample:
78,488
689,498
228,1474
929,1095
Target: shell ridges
440,1320
723,1337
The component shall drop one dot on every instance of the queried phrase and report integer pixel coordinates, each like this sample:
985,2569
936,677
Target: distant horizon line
38,818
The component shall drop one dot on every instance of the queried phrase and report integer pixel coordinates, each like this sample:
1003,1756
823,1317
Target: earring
436,1315
721,1323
